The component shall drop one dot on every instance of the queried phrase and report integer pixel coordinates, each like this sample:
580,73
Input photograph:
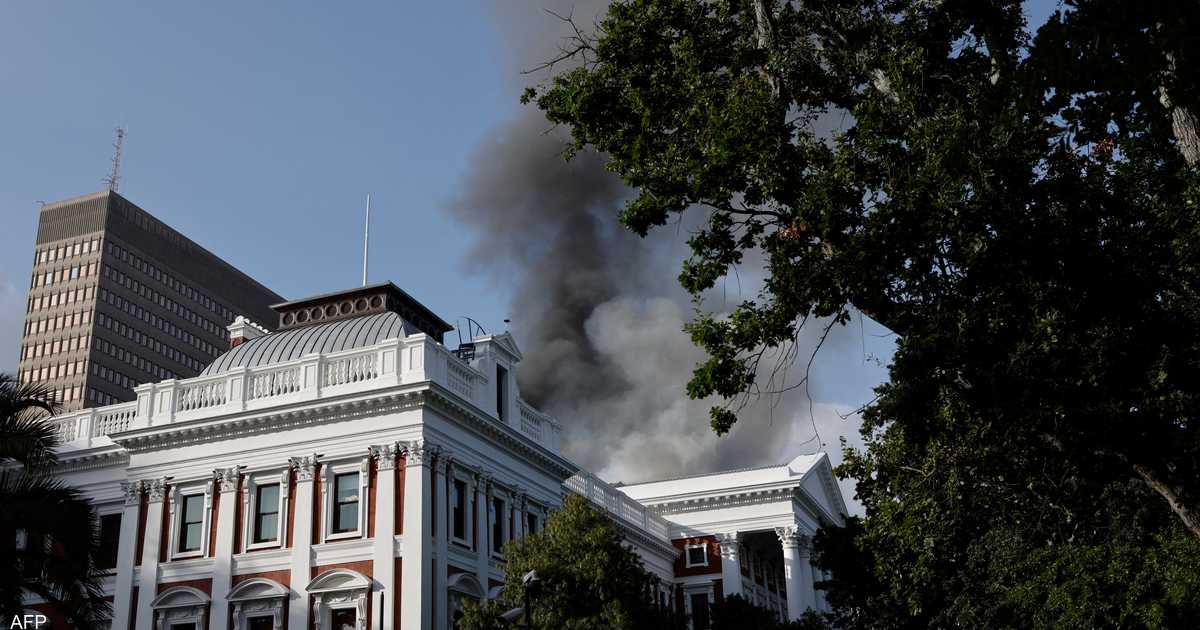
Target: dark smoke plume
597,310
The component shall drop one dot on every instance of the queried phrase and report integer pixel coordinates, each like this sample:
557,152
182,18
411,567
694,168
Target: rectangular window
532,523
191,522
501,391
458,504
110,539
497,524
345,515
697,555
266,513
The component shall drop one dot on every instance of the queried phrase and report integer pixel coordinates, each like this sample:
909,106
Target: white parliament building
347,470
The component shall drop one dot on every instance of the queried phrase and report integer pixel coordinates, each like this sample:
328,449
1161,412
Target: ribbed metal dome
287,345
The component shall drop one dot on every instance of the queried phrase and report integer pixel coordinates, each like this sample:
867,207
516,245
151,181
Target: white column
482,535
227,481
301,557
416,601
441,501
797,572
148,577
731,568
126,552
385,528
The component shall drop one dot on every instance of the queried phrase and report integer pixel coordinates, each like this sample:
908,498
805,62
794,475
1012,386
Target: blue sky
256,129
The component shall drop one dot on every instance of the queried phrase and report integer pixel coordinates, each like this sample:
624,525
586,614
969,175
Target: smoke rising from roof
597,311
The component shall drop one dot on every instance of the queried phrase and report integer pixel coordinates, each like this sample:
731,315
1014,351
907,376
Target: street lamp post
532,585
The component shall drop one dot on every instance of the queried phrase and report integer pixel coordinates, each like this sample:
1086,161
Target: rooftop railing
411,360
619,505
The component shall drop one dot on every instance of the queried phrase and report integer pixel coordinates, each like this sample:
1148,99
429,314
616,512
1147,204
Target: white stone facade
373,487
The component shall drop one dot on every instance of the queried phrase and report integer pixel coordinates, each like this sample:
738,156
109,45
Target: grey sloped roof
286,345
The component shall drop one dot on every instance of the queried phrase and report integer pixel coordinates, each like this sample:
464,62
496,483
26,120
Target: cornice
177,434
451,405
698,503
76,461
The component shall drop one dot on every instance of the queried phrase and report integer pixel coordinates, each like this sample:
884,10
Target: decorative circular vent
360,304
301,316
288,319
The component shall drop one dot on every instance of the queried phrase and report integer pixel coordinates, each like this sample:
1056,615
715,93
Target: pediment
338,580
257,588
179,597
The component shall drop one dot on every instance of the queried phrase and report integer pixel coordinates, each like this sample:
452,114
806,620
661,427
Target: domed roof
293,343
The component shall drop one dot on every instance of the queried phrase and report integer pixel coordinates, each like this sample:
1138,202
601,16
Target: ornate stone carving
156,488
792,537
305,467
132,491
729,544
417,452
227,478
385,456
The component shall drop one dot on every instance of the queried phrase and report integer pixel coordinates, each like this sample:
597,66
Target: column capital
792,537
385,456
729,543
132,491
156,488
417,453
227,478
305,467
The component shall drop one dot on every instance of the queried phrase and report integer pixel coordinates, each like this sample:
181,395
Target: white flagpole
366,238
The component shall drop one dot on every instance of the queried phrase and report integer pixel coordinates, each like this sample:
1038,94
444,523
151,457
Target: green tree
589,578
54,524
1018,206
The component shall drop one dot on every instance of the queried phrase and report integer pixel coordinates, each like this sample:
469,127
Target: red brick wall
396,592
713,552
400,468
372,480
282,576
291,510
200,585
212,523
164,539
141,536
238,517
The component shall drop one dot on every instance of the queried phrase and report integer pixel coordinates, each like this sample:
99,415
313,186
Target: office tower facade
118,298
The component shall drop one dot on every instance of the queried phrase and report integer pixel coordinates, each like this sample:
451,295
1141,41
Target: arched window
462,587
258,605
180,608
340,600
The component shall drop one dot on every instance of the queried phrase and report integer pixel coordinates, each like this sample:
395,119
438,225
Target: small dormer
497,357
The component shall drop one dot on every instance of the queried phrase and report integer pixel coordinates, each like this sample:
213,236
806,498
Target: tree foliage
56,524
1019,206
590,579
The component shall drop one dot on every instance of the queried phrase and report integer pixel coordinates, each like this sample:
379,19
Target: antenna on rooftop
366,238
114,178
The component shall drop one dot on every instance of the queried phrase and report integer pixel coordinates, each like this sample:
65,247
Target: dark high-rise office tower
118,298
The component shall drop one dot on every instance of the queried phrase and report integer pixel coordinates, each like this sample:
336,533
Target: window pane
266,527
346,519
459,501
110,537
266,516
343,619
191,537
191,521
347,487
